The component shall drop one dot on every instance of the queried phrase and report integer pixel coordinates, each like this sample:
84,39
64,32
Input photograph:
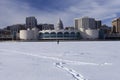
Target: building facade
15,29
29,34
116,25
87,23
47,26
31,22
5,35
59,34
88,27
98,24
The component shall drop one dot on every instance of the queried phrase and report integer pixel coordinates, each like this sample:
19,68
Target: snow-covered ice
96,60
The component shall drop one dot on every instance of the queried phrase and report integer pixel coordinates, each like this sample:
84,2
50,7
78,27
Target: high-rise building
60,25
98,24
116,25
87,23
76,24
31,22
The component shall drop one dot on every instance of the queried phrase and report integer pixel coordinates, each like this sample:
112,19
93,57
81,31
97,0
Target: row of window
60,34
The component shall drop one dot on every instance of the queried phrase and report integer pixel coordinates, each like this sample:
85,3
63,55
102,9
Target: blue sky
49,11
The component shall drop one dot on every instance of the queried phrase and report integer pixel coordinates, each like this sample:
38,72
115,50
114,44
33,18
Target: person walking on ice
57,41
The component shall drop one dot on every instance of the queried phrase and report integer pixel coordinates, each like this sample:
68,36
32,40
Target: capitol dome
60,25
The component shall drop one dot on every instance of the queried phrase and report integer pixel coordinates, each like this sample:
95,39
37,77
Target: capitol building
60,33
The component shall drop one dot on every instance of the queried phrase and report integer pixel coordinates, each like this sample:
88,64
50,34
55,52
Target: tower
60,25
116,25
31,22
87,23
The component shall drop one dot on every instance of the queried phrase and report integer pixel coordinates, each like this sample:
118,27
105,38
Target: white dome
60,25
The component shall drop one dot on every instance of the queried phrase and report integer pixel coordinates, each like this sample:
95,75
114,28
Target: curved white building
89,33
92,34
28,34
23,34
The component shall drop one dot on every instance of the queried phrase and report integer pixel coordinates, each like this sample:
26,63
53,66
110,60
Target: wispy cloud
13,12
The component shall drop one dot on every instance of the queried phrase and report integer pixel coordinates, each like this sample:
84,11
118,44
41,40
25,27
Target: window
59,34
72,34
46,34
66,34
52,34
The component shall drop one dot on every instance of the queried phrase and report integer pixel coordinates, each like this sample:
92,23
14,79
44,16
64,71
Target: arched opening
114,29
66,34
46,35
72,34
59,34
52,34
40,35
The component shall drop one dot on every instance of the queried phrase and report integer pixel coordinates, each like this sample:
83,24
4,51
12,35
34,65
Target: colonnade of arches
66,35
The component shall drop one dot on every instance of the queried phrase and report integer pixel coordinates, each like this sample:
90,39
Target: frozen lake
93,60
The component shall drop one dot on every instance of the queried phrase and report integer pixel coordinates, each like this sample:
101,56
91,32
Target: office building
31,22
15,28
87,27
87,23
98,24
116,25
45,26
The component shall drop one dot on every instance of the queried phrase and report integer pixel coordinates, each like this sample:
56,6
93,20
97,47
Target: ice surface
66,61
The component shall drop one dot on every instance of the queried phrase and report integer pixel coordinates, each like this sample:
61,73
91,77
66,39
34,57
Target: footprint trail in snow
75,74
